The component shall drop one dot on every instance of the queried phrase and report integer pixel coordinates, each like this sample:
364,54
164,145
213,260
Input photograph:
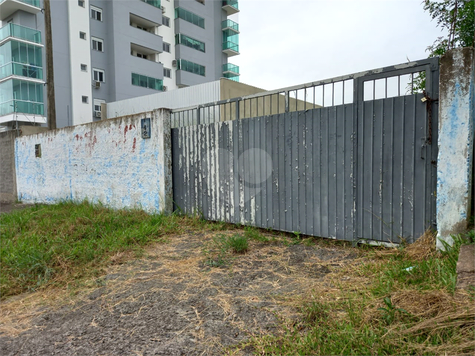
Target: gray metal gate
347,158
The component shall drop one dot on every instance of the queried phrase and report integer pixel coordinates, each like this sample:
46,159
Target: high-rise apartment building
109,50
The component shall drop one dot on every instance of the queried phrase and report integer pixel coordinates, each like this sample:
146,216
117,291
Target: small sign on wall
146,128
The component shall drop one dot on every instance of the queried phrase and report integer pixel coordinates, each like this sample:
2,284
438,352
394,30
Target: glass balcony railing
231,71
233,3
230,46
156,3
230,25
230,68
21,32
26,107
233,77
35,3
22,70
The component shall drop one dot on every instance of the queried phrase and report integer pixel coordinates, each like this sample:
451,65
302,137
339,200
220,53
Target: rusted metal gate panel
358,170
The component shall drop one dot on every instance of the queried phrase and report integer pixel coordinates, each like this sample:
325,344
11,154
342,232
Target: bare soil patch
173,301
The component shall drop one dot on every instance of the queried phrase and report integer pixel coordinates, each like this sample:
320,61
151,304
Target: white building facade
109,50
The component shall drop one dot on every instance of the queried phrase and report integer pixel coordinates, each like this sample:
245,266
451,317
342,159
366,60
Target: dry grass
423,248
344,303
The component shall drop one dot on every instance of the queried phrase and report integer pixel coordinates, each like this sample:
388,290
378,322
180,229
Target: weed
389,312
314,311
218,251
237,243
216,262
254,234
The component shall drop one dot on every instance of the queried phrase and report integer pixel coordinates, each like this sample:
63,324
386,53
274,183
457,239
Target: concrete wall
7,166
254,107
8,190
231,89
456,140
107,162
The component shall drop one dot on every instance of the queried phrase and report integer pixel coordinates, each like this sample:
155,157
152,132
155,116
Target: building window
97,104
167,72
141,55
166,47
191,67
98,108
81,3
96,13
147,82
84,67
97,44
82,35
85,99
189,42
166,21
98,75
190,17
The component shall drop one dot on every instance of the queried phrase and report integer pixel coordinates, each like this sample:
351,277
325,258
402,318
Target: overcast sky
289,42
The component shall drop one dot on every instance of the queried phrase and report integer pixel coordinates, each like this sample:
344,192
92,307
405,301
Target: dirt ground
175,300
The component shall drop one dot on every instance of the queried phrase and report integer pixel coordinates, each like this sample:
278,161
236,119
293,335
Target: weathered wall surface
8,191
456,139
7,166
106,161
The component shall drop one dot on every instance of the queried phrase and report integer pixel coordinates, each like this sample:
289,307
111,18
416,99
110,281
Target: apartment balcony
230,26
21,70
231,71
230,6
145,53
21,100
20,106
8,7
20,32
231,48
156,3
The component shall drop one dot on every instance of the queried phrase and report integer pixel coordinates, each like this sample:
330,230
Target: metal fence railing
400,80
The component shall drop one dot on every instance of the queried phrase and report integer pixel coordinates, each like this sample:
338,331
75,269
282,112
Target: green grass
219,251
372,318
237,243
59,244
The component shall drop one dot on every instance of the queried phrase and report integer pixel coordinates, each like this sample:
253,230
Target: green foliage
339,324
57,244
254,234
389,312
218,253
314,311
237,243
455,16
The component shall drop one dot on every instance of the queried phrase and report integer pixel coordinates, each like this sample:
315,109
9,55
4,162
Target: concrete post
162,116
456,140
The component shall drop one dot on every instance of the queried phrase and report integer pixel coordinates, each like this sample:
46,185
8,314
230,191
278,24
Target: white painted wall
106,161
80,53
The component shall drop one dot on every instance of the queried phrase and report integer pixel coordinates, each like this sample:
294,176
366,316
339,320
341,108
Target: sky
290,42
